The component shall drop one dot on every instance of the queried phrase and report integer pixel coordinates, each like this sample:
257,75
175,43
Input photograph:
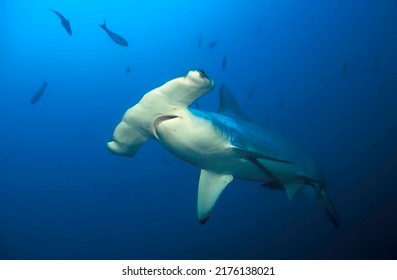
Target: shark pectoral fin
292,188
211,185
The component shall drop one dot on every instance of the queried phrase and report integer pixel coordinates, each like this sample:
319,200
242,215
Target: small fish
165,160
267,120
84,134
224,62
127,70
212,44
381,88
196,104
280,104
251,92
115,37
344,68
37,96
94,183
65,23
61,166
375,67
259,29
200,40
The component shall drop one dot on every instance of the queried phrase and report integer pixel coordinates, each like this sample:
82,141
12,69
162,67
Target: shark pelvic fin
292,188
211,185
228,105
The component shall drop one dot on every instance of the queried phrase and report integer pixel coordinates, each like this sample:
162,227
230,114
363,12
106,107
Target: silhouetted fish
200,40
127,70
196,104
259,29
115,37
280,104
251,92
375,67
165,160
65,23
94,183
36,97
344,69
84,134
224,62
212,44
381,88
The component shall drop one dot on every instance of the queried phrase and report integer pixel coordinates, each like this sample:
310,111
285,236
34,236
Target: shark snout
200,79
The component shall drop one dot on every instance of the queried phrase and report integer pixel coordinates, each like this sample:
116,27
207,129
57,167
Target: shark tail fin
317,189
328,207
55,12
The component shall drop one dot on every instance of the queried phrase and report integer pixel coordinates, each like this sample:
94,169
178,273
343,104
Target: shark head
140,121
185,90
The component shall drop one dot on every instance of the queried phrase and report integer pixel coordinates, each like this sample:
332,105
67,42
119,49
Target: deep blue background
324,74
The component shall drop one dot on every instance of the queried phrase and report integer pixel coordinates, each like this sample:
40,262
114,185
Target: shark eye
202,73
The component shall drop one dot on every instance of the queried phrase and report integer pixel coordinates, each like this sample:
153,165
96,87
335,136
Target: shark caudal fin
328,207
320,195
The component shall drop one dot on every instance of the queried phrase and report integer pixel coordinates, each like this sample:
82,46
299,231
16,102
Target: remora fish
37,96
225,145
251,92
200,40
224,62
65,23
213,44
115,37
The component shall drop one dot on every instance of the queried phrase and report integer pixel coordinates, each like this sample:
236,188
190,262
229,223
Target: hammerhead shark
225,145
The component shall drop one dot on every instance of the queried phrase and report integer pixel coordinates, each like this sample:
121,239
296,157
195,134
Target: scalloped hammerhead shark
225,145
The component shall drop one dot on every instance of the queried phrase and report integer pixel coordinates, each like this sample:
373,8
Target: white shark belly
195,140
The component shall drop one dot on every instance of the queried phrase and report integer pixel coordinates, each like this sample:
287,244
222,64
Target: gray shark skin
225,145
115,37
65,23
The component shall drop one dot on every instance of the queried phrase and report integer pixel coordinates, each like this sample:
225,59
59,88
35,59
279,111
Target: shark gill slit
161,119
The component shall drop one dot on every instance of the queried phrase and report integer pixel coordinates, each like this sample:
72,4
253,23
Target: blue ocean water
323,73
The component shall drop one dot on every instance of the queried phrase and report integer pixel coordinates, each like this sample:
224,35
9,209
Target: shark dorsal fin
228,105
